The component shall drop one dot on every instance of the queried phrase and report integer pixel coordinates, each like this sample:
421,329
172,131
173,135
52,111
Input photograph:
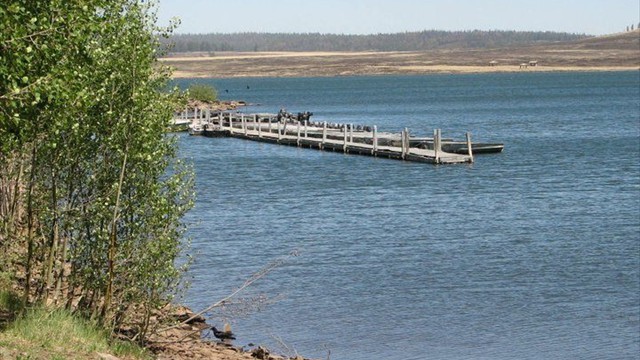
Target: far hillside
406,41
614,52
629,40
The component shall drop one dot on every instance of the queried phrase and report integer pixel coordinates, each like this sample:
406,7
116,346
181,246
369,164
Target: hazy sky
594,17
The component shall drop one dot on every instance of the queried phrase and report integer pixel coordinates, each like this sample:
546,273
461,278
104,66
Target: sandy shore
617,52
233,65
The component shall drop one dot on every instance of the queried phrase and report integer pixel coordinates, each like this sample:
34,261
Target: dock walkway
345,138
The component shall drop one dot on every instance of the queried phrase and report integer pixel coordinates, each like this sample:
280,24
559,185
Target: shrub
201,92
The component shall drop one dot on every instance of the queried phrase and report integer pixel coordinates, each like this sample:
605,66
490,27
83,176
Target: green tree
90,186
202,92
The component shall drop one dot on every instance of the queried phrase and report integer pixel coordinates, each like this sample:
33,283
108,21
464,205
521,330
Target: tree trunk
113,243
30,241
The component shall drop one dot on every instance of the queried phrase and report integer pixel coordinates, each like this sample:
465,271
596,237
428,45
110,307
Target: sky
593,17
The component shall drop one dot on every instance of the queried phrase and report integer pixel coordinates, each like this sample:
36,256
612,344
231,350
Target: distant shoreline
440,70
617,52
332,64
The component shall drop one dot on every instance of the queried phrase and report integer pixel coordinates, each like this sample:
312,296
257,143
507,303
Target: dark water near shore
529,254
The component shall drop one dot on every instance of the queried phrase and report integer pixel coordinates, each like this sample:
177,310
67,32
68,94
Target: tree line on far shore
406,41
631,28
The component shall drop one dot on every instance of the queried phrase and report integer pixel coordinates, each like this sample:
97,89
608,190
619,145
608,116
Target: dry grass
607,53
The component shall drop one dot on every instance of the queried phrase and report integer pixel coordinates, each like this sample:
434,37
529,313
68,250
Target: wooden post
351,133
270,125
436,145
278,128
324,134
306,122
298,130
375,140
244,124
231,123
403,142
255,122
407,144
344,143
469,146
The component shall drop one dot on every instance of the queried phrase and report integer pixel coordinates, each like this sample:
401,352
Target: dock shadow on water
531,253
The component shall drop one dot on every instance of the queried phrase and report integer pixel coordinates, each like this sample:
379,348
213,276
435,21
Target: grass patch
57,334
9,302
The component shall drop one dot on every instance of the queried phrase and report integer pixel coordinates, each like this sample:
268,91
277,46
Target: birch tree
91,189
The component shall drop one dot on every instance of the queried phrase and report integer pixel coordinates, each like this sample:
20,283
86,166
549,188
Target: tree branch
255,277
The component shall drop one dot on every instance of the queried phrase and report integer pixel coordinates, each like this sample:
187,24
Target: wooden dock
298,130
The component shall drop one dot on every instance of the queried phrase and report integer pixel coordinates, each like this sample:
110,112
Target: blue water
533,253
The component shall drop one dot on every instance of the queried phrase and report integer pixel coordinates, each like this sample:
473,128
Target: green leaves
202,92
80,87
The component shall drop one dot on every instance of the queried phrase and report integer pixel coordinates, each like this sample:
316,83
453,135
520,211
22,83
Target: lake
533,253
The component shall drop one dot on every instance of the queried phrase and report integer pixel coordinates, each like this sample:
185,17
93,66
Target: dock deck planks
345,140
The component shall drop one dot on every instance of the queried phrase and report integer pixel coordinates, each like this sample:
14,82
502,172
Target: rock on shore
185,341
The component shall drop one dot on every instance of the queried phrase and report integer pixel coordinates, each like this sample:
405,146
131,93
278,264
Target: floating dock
298,130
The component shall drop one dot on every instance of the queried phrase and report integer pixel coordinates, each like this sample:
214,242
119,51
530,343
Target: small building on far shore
493,63
533,63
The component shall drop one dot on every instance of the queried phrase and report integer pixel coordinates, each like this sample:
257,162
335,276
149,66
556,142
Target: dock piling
437,145
469,150
324,134
278,128
344,140
375,140
244,124
405,143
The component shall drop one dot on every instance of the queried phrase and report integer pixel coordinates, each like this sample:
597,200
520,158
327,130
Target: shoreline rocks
219,105
185,342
